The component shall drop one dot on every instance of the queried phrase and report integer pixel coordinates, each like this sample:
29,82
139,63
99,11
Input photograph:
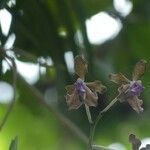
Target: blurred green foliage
37,25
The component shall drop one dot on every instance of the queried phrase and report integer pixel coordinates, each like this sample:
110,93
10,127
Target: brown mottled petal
136,143
118,78
96,86
139,69
73,101
135,103
80,66
91,98
70,89
123,96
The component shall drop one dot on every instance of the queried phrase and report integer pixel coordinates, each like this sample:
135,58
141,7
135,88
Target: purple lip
80,86
136,89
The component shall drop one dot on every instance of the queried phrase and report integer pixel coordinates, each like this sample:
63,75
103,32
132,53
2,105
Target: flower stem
100,115
109,106
88,113
90,138
91,126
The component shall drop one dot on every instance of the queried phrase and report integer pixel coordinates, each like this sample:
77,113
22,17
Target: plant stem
91,137
100,115
109,106
89,147
93,127
88,114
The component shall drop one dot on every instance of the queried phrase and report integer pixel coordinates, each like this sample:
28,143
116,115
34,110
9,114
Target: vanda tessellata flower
81,92
130,90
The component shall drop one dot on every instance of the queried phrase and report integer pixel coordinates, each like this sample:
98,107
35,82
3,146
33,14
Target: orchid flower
130,90
81,92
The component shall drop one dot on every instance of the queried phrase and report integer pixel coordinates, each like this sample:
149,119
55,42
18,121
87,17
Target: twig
28,56
89,146
100,115
88,114
110,105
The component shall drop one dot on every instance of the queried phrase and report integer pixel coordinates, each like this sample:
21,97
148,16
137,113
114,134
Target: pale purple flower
130,90
135,88
80,92
80,86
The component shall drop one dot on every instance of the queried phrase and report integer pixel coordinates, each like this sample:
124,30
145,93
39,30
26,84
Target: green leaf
13,145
